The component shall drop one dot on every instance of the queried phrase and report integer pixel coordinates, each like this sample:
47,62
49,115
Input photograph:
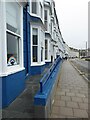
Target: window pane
41,11
45,54
35,36
34,7
12,50
35,55
41,54
45,19
45,24
46,46
13,17
35,40
45,15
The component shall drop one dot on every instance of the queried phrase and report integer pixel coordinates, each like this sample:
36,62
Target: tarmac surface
71,99
83,66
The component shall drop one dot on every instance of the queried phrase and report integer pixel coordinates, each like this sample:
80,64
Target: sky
73,21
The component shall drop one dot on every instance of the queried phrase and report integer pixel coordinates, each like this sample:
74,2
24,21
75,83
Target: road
82,65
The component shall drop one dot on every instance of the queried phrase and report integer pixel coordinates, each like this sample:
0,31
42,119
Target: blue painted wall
35,70
47,64
0,92
12,86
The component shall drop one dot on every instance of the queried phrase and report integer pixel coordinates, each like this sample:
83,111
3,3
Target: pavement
71,98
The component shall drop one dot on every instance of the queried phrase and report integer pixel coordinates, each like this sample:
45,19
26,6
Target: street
83,66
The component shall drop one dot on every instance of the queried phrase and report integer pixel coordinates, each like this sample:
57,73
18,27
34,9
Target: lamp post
86,48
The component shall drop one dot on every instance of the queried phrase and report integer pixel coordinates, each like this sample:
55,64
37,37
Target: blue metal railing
46,77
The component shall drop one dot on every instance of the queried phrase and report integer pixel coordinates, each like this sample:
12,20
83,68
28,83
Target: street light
86,49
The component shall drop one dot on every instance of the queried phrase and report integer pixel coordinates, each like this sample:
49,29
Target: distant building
70,52
53,37
73,52
83,53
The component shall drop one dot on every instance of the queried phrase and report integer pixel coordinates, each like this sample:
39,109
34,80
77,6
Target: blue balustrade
47,83
46,77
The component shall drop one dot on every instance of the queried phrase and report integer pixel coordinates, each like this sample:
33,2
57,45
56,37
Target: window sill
47,60
35,15
47,32
12,70
37,64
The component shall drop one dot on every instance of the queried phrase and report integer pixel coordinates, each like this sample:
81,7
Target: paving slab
77,99
70,94
60,103
72,104
55,110
80,95
80,113
85,100
66,111
83,106
66,98
57,97
60,93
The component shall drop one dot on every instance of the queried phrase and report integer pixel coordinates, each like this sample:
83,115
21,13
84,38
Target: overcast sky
73,21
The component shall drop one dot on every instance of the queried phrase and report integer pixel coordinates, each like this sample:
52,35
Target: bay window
35,45
13,32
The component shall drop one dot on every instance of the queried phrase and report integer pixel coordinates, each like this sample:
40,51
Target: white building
53,37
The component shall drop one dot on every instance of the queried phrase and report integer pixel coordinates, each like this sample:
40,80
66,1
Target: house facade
12,70
52,33
36,10
30,39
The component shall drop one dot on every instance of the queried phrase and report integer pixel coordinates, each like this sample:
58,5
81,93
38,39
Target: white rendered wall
3,49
